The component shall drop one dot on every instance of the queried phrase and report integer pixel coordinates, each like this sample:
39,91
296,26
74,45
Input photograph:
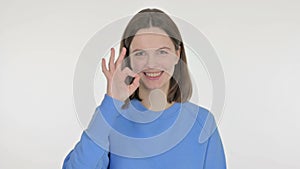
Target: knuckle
126,69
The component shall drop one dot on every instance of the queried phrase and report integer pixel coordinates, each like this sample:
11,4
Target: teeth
152,74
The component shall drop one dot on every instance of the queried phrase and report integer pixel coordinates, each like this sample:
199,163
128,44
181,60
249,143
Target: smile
153,75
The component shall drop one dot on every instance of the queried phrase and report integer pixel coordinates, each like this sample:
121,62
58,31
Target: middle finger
112,59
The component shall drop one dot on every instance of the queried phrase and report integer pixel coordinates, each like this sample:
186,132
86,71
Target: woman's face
153,57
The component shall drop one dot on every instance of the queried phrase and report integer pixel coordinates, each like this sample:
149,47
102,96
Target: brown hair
180,87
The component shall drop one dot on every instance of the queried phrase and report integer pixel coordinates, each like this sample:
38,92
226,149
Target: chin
153,86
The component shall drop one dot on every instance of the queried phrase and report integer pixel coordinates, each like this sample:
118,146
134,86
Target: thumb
135,84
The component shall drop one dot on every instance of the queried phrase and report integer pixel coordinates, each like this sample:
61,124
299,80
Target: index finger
121,57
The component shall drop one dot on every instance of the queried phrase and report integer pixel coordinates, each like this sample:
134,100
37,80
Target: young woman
145,120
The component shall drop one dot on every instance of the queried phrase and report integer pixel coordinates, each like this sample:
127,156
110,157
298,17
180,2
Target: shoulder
204,120
199,112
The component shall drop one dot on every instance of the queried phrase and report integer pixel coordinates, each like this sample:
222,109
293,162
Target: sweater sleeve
92,150
86,155
215,156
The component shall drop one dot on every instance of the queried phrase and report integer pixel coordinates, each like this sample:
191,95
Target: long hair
180,87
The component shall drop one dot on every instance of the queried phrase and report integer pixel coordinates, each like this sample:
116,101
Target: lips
153,75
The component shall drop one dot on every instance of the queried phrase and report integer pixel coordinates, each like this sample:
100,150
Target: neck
155,99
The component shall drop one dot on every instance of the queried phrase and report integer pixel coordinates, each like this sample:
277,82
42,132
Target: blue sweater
184,136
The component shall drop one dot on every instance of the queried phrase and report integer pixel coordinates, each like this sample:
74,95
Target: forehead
151,38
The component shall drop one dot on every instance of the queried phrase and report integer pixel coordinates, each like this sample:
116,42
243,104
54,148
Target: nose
151,60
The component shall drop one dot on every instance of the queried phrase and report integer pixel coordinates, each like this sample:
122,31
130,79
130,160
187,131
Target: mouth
153,75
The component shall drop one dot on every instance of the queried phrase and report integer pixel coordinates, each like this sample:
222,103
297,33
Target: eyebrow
164,47
136,50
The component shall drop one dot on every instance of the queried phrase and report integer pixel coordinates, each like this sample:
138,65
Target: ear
178,51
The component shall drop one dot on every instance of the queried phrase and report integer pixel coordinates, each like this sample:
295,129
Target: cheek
170,71
169,62
168,67
137,65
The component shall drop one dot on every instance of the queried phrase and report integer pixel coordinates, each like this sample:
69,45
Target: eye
163,52
139,53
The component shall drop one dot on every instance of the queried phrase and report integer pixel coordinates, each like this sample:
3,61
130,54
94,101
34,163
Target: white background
257,43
